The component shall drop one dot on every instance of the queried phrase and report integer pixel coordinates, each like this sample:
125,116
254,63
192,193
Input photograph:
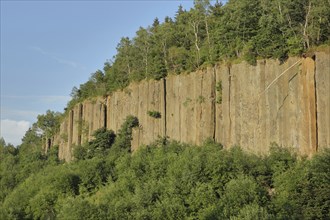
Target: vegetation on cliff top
209,33
164,180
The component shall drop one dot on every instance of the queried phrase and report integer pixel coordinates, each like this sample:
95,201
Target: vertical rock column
222,105
322,82
99,116
77,125
67,149
308,129
190,106
63,140
278,104
87,121
150,98
286,103
137,99
269,102
93,117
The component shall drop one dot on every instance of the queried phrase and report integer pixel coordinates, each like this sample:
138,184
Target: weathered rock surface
250,106
137,99
322,78
268,103
93,117
190,106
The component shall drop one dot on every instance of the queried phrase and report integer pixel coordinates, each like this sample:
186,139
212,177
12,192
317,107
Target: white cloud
13,131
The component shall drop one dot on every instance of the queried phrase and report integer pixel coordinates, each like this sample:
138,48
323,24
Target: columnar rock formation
239,104
137,100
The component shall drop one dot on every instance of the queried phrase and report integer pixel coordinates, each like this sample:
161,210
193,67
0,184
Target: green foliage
280,159
302,192
8,172
95,86
52,156
49,123
94,175
251,212
124,137
240,192
187,102
154,114
218,88
316,189
80,152
102,141
168,180
163,180
208,33
42,205
200,99
78,208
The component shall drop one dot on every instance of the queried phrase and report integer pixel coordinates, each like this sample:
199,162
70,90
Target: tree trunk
305,33
208,38
195,27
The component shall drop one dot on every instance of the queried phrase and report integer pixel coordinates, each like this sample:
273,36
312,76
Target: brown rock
288,104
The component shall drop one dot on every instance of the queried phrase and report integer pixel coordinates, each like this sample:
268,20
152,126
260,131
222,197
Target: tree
158,50
270,40
124,136
142,48
102,142
124,58
239,193
208,33
49,123
201,25
317,24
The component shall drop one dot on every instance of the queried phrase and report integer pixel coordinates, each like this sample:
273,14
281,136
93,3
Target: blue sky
47,47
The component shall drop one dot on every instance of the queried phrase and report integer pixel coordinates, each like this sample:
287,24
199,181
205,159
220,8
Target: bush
154,114
219,92
124,137
168,180
98,147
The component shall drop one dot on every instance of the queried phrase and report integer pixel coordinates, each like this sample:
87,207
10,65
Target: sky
48,47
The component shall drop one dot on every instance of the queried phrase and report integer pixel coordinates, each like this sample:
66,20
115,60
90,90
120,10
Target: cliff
249,106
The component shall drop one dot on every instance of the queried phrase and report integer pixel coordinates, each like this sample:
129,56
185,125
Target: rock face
239,104
190,106
322,85
268,103
79,125
138,100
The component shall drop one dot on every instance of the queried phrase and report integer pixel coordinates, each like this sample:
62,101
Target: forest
168,179
209,33
164,180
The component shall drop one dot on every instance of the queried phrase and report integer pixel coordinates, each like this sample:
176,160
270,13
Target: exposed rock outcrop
245,105
137,99
322,85
190,104
268,103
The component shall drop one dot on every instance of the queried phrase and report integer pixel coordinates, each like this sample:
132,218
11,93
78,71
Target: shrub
219,92
154,114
